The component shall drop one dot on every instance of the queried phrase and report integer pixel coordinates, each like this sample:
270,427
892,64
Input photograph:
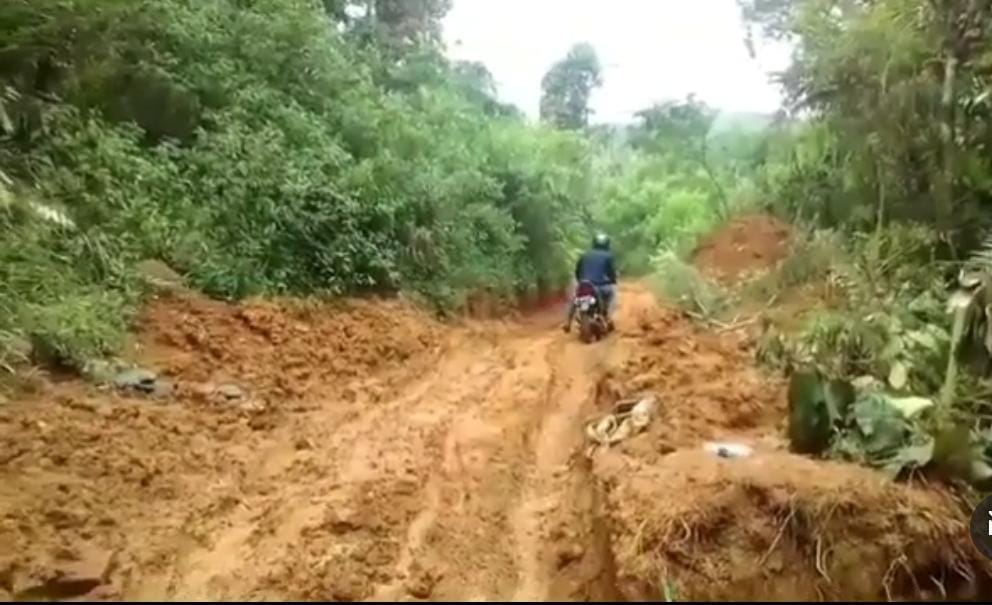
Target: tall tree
567,88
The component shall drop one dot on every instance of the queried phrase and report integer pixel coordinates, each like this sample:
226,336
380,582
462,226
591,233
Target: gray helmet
601,241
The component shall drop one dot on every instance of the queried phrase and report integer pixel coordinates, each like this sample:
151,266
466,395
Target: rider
596,266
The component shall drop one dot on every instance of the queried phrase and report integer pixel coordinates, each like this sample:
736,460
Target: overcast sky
651,50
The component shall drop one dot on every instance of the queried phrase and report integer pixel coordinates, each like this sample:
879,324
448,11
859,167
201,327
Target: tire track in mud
551,532
451,481
312,493
464,488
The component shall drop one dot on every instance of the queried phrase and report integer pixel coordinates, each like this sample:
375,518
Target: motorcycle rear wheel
586,329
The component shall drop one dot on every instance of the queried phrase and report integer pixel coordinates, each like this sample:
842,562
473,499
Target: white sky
651,50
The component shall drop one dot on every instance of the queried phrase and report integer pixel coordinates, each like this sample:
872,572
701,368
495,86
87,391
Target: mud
392,458
745,246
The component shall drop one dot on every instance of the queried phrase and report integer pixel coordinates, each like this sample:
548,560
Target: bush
680,283
890,322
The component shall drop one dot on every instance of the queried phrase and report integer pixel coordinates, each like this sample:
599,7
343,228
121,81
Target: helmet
601,241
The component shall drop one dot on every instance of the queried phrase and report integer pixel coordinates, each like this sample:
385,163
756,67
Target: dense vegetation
890,168
261,147
299,147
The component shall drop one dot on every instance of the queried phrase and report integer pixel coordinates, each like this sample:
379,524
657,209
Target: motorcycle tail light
585,289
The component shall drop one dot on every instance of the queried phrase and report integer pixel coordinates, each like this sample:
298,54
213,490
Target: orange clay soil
371,453
745,245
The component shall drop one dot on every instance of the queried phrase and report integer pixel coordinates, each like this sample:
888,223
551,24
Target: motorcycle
591,310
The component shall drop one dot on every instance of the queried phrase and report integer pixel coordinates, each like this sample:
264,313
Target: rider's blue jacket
596,266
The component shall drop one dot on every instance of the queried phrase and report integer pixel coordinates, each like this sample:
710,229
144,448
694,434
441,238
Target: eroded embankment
366,452
770,526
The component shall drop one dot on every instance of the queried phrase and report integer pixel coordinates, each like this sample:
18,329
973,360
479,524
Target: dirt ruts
388,457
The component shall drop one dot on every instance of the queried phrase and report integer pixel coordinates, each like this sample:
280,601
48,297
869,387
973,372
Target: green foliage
886,318
256,150
50,309
895,96
894,434
658,185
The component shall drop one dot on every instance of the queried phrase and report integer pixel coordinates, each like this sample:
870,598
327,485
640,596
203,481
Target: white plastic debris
729,450
642,413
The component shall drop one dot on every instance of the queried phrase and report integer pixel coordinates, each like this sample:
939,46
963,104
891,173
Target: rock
421,581
345,586
137,379
83,406
203,391
251,405
261,423
73,578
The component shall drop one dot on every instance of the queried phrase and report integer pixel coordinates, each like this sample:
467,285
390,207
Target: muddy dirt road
370,453
450,474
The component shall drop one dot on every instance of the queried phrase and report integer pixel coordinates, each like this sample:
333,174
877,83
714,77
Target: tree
567,87
964,27
683,128
902,86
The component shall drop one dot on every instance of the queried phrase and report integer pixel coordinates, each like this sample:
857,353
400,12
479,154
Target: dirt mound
132,483
279,349
86,477
780,527
746,245
773,526
706,383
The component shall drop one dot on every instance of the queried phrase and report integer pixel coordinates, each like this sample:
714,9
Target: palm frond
981,258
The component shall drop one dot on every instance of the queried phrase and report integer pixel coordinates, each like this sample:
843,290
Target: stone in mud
136,379
72,579
349,587
203,391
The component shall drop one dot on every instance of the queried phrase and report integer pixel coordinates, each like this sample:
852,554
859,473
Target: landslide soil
368,452
746,244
